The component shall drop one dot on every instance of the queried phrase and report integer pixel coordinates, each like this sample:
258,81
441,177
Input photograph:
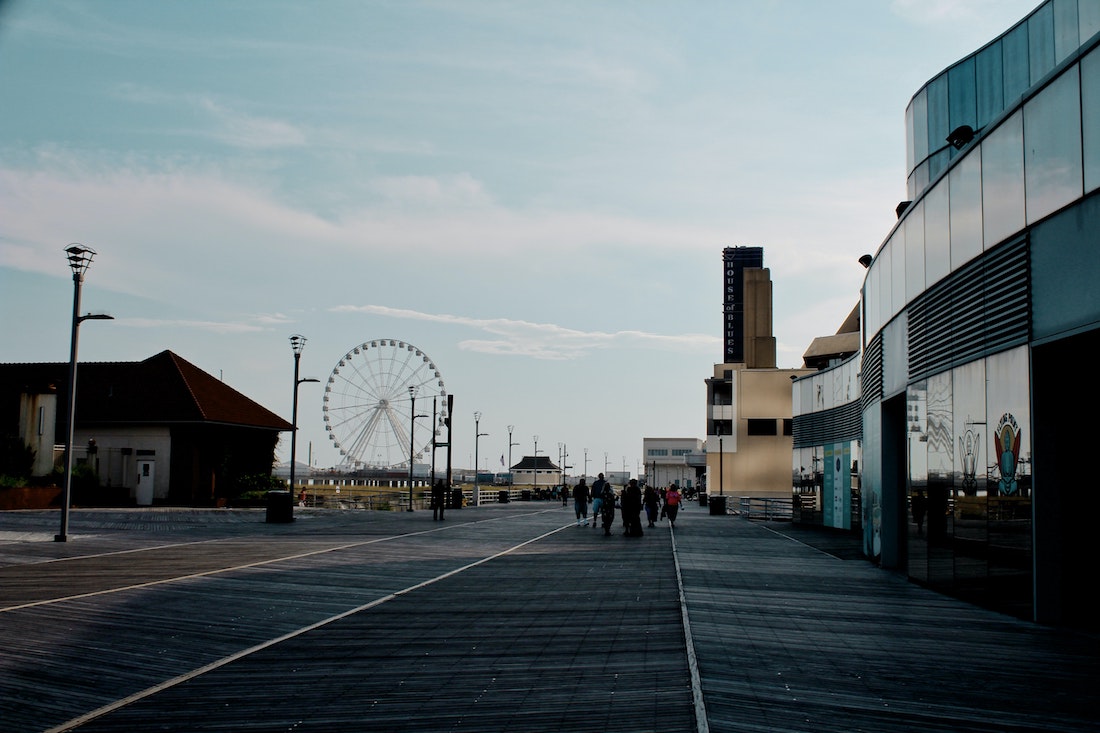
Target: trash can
503,497
525,495
717,505
280,506
702,499
456,498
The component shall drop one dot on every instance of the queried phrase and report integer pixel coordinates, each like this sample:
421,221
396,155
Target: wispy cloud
544,340
221,327
240,129
225,121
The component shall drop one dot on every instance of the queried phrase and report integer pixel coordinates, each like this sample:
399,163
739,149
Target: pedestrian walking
439,500
632,509
652,502
597,497
580,502
607,509
672,504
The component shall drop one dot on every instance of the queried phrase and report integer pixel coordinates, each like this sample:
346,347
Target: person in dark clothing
580,502
632,509
607,509
439,499
652,501
597,497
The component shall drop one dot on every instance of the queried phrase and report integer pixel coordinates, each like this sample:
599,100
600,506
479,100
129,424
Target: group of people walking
657,505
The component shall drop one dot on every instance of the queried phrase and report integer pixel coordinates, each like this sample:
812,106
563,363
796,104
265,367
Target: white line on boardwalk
701,723
130,699
218,571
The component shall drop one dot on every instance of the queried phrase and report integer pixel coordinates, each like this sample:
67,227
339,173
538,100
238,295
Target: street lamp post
535,469
510,444
478,435
435,436
585,463
297,343
412,443
561,462
80,257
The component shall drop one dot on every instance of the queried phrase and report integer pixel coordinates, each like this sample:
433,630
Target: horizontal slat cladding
980,309
871,376
828,426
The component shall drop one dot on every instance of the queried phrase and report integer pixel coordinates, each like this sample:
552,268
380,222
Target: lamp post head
477,416
80,257
297,343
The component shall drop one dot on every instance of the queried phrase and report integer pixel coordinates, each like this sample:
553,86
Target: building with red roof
159,430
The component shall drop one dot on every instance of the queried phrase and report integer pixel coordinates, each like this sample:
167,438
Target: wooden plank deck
503,618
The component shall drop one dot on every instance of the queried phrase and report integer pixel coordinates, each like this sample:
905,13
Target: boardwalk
502,618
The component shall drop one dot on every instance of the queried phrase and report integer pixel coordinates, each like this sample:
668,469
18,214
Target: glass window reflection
1040,36
909,238
937,233
990,85
937,100
1014,57
1052,155
1090,118
1003,181
920,125
1088,20
962,102
966,210
916,407
1066,39
897,278
1008,420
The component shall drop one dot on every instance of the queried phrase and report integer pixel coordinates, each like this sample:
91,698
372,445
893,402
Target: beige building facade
749,437
749,402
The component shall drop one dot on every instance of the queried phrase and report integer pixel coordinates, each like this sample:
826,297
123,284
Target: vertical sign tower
735,260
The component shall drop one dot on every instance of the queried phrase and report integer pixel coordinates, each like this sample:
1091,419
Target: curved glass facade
1038,158
989,272
977,89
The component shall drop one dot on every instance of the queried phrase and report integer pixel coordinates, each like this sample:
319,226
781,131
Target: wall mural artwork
1006,442
970,448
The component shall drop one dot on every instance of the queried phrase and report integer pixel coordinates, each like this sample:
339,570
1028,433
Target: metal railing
767,508
368,498
349,498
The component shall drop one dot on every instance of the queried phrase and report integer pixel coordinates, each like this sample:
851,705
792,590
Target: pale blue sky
536,194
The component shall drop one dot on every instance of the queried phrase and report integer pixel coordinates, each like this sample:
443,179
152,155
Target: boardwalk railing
349,498
769,508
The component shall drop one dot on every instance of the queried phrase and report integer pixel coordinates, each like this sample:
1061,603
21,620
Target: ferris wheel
369,400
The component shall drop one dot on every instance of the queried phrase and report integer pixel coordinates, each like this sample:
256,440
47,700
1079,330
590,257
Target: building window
788,426
760,426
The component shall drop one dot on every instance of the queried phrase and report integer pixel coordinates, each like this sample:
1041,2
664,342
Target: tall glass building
978,312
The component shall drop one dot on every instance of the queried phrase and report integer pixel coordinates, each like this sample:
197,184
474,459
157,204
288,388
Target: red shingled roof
162,389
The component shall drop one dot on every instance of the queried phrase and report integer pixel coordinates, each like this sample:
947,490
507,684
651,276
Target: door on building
146,474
